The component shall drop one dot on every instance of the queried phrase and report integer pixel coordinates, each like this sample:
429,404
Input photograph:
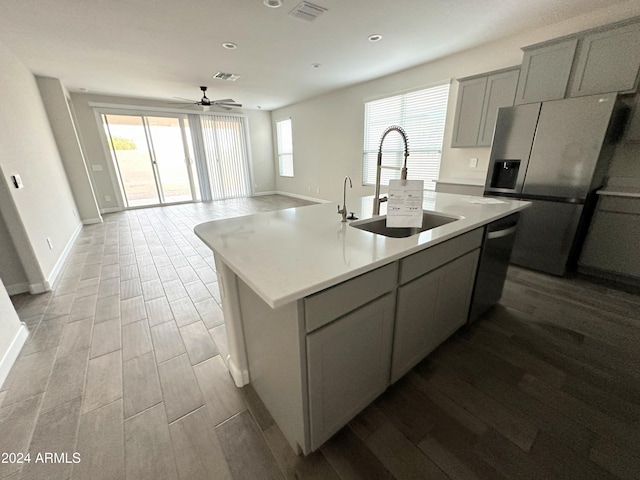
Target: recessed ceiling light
272,3
229,45
315,65
375,38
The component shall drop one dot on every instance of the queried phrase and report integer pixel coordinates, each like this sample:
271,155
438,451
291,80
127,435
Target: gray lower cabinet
479,98
613,233
431,308
607,62
632,133
348,363
545,71
317,362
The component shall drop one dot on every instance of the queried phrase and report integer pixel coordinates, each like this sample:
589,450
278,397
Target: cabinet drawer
327,305
422,262
619,204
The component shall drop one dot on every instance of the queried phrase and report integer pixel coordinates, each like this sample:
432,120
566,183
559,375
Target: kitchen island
321,316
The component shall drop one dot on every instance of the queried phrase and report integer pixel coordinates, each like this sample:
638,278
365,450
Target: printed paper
405,203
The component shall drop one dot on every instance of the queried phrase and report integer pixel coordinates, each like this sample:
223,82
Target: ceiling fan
206,103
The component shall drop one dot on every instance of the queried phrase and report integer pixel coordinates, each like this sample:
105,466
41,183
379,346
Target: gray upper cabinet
545,71
479,98
608,62
469,111
500,92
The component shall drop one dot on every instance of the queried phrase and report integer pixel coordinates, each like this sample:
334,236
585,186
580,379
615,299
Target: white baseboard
302,197
17,288
57,268
10,356
110,210
91,221
240,376
36,288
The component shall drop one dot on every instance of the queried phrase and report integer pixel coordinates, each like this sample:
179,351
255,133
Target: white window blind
285,148
422,114
225,145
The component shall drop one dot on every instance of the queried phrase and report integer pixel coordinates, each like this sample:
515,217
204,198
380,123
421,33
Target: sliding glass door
152,158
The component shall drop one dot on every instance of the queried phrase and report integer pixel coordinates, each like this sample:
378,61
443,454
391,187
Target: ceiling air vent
307,11
231,77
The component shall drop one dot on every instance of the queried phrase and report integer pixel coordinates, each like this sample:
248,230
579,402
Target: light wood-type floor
123,366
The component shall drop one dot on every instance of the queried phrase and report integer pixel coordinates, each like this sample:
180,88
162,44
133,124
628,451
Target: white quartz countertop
289,254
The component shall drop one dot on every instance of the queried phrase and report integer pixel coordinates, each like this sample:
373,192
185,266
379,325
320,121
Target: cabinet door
545,72
632,133
500,92
613,235
348,364
468,112
608,62
430,309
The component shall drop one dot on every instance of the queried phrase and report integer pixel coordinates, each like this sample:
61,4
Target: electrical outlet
473,163
107,198
49,243
317,189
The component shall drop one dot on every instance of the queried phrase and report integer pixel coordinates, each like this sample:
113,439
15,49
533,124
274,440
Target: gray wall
11,271
55,102
45,207
9,329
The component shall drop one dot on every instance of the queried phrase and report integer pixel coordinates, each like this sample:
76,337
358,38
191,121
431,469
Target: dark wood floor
124,366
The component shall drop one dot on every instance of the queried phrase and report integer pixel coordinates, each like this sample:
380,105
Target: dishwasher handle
502,233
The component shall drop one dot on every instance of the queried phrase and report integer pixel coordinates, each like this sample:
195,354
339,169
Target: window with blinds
422,114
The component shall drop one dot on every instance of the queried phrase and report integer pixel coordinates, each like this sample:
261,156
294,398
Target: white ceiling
161,49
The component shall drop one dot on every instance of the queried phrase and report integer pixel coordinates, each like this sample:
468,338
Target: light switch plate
17,181
473,162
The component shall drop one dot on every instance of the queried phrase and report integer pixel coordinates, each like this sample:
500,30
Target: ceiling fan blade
228,104
188,100
224,100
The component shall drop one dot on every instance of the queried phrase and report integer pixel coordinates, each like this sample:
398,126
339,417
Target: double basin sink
378,225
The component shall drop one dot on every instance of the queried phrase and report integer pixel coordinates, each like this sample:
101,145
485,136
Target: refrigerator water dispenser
505,174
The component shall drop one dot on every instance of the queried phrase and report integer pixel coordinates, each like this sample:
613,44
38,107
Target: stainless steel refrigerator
554,154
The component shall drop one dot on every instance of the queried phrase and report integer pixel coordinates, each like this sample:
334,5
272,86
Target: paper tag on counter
404,207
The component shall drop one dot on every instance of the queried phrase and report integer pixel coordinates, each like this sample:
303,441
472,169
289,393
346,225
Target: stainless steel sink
378,225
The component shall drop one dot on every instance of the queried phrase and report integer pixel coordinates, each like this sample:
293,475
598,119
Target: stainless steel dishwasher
497,245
